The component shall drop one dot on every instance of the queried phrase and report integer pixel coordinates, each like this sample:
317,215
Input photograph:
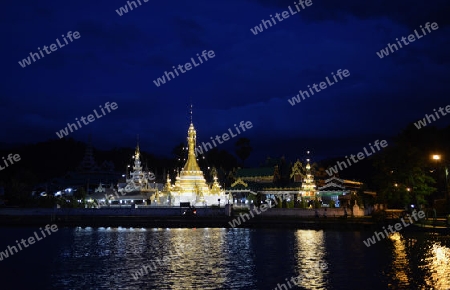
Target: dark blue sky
250,78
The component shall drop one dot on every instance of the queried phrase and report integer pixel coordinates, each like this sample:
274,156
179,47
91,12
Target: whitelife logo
187,66
397,226
31,240
284,14
53,48
10,158
308,274
242,217
294,100
64,132
424,123
224,136
333,170
411,38
161,262
124,9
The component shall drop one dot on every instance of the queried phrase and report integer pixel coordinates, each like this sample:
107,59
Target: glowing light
438,263
310,256
395,236
401,261
436,157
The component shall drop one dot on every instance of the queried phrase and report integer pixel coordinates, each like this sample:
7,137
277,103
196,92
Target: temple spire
191,163
308,184
88,163
137,152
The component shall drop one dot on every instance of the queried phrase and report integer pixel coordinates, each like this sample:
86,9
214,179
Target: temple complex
276,179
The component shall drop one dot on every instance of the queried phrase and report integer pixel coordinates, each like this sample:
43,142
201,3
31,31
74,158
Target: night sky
251,77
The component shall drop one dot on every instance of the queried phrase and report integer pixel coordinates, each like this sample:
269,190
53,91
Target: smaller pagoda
308,189
140,181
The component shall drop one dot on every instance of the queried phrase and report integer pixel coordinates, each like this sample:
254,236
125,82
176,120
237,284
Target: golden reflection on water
400,262
227,259
187,270
437,263
310,254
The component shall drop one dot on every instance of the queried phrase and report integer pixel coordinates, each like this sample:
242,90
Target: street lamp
437,158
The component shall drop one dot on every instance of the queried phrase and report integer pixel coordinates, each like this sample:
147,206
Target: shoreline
206,218
339,224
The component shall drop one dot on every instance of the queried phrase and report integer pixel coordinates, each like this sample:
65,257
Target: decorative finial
137,153
137,145
191,110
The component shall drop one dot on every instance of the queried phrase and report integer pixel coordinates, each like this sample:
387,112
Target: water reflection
192,267
437,266
310,254
107,258
400,262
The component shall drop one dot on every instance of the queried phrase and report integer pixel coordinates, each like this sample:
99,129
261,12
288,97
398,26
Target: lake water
110,258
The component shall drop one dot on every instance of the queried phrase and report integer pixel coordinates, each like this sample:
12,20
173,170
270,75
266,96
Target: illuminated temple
308,188
190,184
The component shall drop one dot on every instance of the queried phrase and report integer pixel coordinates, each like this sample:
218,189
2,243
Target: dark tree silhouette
404,175
243,149
221,159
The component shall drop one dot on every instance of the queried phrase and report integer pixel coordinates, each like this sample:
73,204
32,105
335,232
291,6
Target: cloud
189,32
403,12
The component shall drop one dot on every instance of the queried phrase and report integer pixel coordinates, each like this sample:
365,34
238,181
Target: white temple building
140,181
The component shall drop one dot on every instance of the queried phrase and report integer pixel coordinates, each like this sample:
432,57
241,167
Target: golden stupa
190,184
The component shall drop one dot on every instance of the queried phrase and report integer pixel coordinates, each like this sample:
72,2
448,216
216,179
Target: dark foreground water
110,258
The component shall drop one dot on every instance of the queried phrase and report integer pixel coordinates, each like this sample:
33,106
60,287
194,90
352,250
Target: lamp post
438,158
